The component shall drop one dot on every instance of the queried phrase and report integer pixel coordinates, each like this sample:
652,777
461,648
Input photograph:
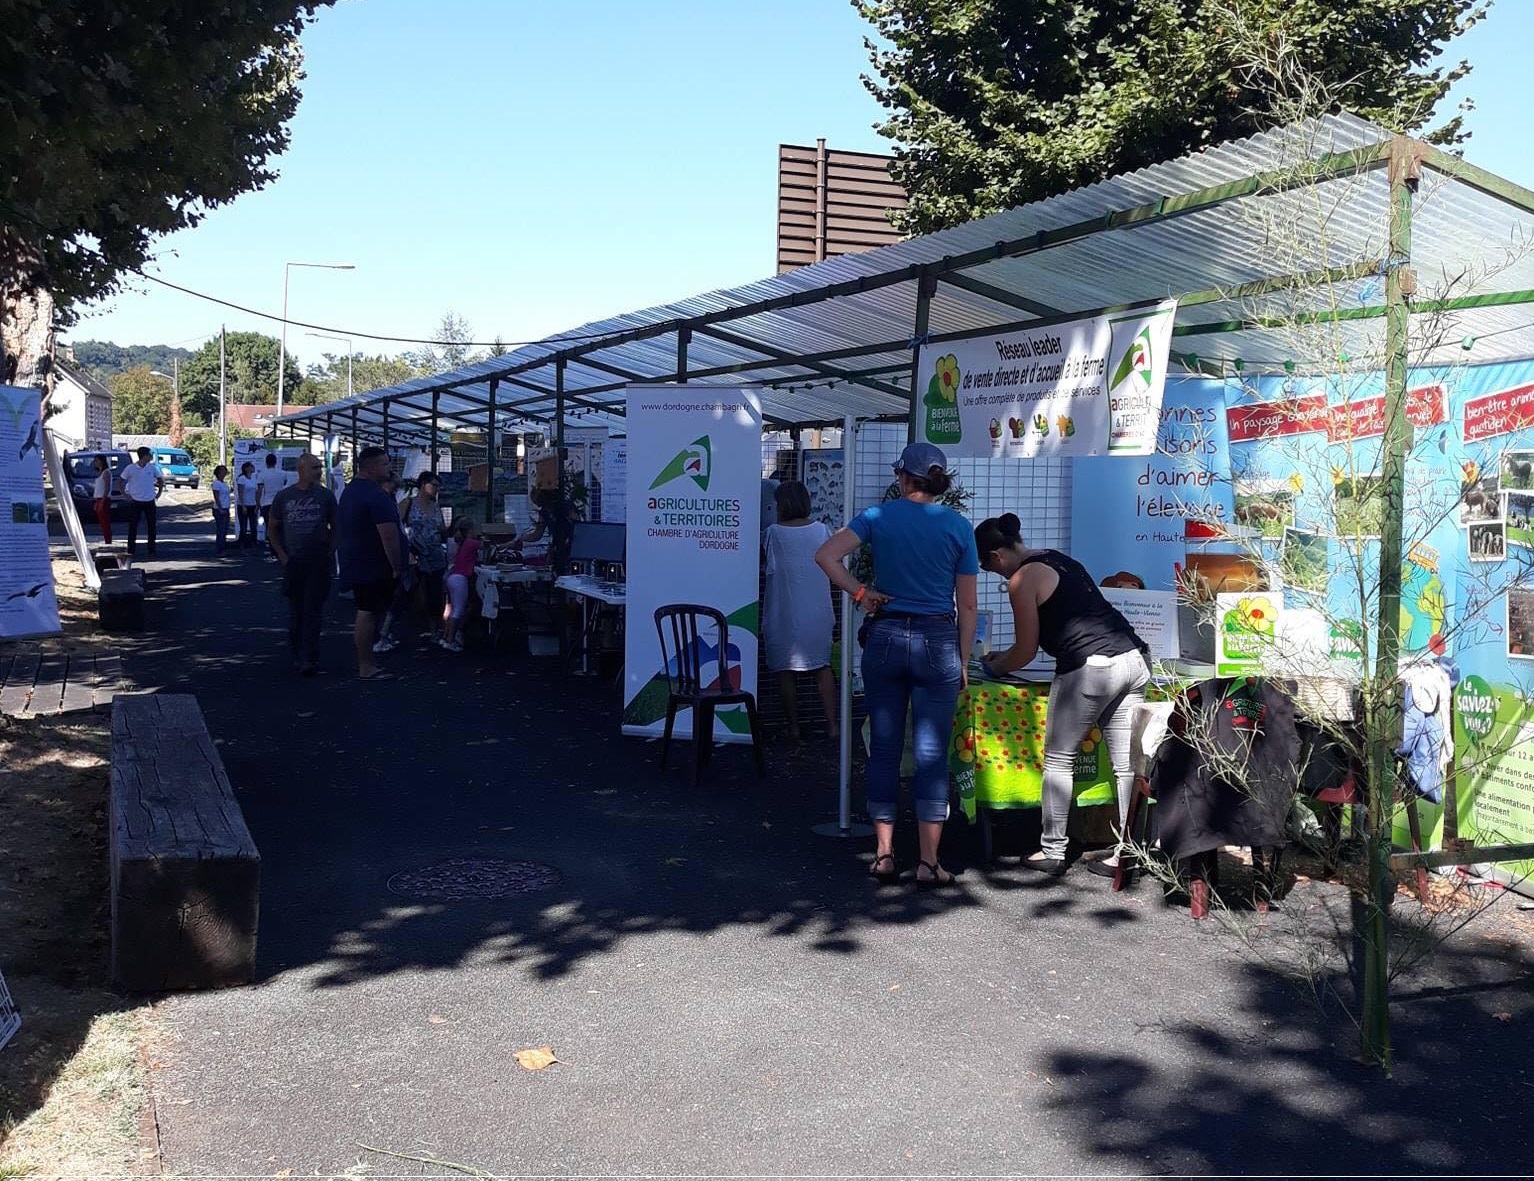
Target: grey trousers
1103,694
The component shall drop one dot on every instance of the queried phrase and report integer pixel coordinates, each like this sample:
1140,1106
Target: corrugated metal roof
1465,241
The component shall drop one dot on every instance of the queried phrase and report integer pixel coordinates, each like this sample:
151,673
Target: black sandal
884,877
936,881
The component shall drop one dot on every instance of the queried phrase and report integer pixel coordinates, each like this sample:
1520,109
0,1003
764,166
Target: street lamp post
282,348
347,341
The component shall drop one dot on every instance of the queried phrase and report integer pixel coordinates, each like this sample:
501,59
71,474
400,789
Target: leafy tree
327,382
202,445
250,367
994,103
101,358
140,402
124,121
451,350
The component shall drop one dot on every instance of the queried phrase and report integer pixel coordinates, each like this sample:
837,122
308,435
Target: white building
81,407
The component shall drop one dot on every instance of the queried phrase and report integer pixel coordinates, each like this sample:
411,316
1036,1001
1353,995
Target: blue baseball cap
918,459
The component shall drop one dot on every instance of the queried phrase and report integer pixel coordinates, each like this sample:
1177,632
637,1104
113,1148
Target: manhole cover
451,880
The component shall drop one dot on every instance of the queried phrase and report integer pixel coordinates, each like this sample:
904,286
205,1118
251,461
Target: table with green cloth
997,752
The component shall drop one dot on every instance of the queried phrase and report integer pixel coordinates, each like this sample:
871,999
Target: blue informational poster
1132,518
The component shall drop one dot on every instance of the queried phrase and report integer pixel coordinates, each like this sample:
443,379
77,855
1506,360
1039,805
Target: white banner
1085,387
28,605
694,508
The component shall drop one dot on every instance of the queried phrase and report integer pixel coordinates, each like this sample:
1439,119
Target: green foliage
250,362
124,121
327,382
202,446
994,103
451,350
140,402
102,358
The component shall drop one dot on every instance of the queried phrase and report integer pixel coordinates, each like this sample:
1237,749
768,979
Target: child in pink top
462,569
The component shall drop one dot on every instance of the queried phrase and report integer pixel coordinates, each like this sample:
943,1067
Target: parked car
81,468
176,466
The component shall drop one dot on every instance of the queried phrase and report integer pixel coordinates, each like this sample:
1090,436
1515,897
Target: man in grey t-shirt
302,530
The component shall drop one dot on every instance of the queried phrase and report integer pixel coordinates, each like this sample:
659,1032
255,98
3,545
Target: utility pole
223,435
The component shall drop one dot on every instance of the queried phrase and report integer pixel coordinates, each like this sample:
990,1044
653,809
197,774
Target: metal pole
1383,729
683,339
386,425
490,453
355,438
844,826
434,396
282,341
223,433
820,200
926,288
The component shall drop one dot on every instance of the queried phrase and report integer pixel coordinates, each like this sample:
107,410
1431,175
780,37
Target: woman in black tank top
1100,671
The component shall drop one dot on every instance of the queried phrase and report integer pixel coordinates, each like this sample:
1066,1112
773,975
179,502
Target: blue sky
531,166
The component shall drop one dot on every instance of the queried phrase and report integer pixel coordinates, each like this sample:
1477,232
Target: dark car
80,466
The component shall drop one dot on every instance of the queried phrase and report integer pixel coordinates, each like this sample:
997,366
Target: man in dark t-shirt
368,527
302,530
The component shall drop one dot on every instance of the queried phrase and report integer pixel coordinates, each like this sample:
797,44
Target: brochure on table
694,509
28,604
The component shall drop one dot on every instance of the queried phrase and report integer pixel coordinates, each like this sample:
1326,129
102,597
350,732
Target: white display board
1090,386
694,501
28,603
615,478
1153,615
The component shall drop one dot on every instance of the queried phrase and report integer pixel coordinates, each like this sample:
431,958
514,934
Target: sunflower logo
1254,615
1296,483
945,377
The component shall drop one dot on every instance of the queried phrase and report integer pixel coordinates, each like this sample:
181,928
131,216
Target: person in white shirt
338,476
268,484
221,507
143,484
248,497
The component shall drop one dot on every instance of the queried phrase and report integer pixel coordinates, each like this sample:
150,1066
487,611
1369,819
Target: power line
276,319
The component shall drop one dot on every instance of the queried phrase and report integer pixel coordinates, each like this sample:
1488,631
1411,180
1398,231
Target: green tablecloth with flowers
997,752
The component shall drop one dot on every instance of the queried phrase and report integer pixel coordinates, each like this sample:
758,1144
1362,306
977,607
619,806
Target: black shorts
374,596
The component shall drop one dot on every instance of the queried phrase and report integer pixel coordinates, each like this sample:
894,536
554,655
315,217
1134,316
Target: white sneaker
384,645
455,646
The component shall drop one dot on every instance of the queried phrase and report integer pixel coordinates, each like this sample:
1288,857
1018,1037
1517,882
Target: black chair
681,649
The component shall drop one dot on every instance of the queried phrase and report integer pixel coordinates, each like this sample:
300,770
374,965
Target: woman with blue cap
920,628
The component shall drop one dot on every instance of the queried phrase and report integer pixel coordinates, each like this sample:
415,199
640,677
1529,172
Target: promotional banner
1160,503
28,605
694,522
1090,386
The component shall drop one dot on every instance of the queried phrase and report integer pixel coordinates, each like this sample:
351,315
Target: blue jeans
910,661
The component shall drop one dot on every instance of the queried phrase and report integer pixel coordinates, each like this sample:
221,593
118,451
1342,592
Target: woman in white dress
798,620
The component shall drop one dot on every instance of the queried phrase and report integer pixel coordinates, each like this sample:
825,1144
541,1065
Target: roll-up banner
28,605
1090,386
694,460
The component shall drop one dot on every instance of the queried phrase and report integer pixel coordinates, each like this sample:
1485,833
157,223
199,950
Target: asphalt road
724,991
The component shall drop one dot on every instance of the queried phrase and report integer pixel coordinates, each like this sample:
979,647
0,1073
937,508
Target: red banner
1269,420
1365,419
1500,413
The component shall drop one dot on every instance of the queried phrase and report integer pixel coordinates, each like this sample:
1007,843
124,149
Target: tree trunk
26,338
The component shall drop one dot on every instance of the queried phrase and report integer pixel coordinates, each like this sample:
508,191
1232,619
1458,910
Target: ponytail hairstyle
936,482
996,533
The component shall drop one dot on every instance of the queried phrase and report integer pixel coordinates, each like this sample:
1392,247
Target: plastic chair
682,647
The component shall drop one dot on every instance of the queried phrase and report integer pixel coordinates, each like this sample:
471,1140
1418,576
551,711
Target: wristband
858,597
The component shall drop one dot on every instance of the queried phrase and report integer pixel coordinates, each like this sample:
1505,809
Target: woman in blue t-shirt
915,651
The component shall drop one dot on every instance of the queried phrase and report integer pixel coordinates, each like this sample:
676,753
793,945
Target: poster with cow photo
1517,471
1480,497
1518,510
1486,542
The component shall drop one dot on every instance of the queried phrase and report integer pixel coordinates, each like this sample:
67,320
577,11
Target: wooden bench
186,877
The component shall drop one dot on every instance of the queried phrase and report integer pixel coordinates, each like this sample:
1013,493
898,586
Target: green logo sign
1136,364
1476,702
694,461
942,402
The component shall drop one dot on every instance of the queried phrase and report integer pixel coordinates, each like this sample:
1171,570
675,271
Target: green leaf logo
695,461
1136,361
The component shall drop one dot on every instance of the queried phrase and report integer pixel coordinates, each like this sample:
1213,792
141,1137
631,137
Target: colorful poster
615,480
1154,506
694,517
28,604
1091,386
